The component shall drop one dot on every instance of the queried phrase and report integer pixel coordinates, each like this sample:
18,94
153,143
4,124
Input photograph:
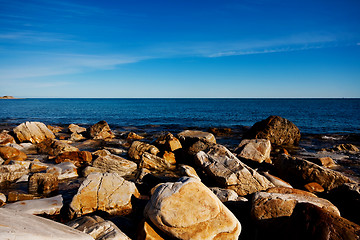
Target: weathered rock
6,138
10,153
147,232
187,209
303,171
326,162
346,147
98,228
25,164
79,158
224,195
37,166
257,150
286,190
169,157
2,199
89,169
1,161
63,170
134,136
43,183
27,148
314,187
153,162
278,182
101,130
113,163
19,195
230,172
168,142
221,131
55,129
34,132
138,148
198,146
117,151
73,128
105,192
22,226
274,205
10,173
189,137
55,147
278,130
188,171
48,206
76,137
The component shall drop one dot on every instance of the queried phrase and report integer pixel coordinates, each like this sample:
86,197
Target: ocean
313,116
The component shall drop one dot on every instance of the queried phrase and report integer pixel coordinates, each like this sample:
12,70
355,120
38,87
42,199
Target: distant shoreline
9,97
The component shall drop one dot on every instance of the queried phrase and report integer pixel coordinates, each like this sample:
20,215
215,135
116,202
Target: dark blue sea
318,116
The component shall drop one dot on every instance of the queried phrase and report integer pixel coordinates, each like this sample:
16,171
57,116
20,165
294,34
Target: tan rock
137,149
64,170
187,209
188,171
257,150
2,199
134,136
18,195
10,153
73,128
101,130
54,129
113,163
314,187
76,137
43,183
6,138
168,142
286,190
346,147
153,162
79,158
274,205
326,162
189,137
278,182
55,147
230,172
147,232
37,166
11,173
105,192
225,195
34,132
169,157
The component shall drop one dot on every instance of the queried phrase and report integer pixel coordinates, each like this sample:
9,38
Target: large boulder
220,164
187,209
104,192
34,132
188,137
113,163
101,130
137,149
23,226
10,153
278,130
257,150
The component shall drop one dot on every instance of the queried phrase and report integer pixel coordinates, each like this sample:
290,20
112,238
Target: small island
8,97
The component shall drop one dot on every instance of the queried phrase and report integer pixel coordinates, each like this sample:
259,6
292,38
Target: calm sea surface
310,115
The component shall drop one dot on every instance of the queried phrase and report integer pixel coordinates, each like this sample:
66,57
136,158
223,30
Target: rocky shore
91,182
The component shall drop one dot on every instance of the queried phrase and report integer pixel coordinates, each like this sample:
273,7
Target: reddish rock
169,157
79,158
147,232
278,130
314,187
10,153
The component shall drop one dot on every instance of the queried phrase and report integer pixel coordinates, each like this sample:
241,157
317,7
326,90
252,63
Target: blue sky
213,48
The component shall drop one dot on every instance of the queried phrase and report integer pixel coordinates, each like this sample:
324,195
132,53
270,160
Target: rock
25,164
73,128
147,232
137,149
34,132
278,182
48,206
169,157
113,163
79,158
19,195
55,147
188,171
105,192
54,129
27,148
22,226
10,153
189,137
37,166
1,161
302,172
285,190
220,131
76,137
312,222
220,164
274,205
98,228
117,151
278,130
224,195
43,183
101,130
6,138
134,136
153,162
257,150
63,170
346,147
89,169
187,209
10,173
198,146
314,187
168,142
2,199
325,162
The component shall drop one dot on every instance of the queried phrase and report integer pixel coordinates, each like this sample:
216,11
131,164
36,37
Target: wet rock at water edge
101,130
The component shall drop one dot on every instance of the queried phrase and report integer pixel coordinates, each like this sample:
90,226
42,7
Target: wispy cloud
34,36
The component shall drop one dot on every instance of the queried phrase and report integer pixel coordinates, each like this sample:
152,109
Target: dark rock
43,183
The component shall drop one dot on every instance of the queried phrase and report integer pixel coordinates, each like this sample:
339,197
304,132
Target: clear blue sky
180,48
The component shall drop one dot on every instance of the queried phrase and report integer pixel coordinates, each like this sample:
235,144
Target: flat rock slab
22,226
187,209
48,206
113,163
34,132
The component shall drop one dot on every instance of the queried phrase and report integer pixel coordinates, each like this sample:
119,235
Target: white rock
48,206
257,150
63,170
22,226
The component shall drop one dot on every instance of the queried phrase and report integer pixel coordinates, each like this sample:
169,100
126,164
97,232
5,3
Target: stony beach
267,181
